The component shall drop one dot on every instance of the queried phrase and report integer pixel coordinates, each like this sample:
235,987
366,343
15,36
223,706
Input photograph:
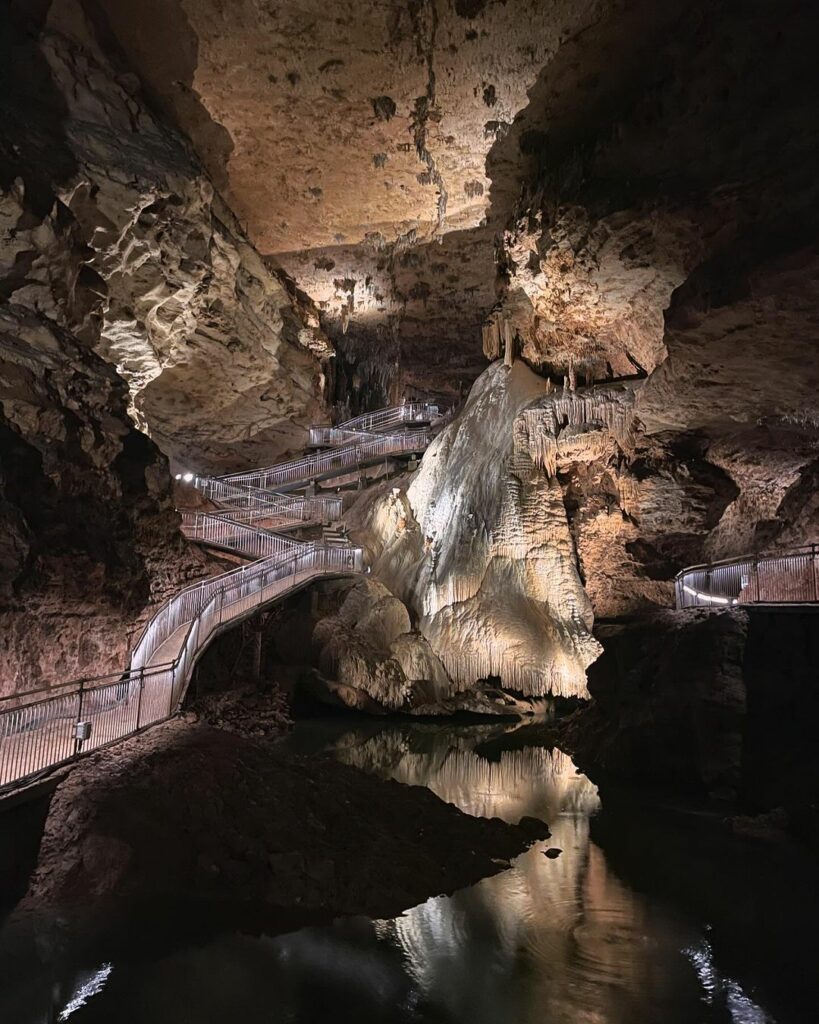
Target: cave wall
130,301
667,233
225,362
353,141
713,704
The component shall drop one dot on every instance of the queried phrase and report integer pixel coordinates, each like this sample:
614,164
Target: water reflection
557,940
551,941
466,768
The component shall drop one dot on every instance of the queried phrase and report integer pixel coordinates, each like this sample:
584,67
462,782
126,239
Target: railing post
813,553
139,697
77,740
172,687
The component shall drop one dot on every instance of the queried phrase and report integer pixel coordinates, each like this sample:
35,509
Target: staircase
44,728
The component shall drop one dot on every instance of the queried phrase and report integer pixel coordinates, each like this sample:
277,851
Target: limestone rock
479,549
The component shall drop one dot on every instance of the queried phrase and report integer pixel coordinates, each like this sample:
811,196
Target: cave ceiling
352,139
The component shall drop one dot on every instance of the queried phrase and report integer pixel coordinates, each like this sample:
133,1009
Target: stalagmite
485,560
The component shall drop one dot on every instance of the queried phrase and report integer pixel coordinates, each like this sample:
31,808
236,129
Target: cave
409,489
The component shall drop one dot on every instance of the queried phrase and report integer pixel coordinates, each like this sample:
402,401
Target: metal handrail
787,577
369,424
47,727
49,730
337,437
285,508
383,419
335,461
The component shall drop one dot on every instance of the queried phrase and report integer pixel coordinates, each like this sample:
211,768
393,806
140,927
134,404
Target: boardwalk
51,726
789,577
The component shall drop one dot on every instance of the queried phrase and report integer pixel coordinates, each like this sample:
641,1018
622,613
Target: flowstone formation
475,559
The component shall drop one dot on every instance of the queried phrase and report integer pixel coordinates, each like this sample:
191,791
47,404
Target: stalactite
608,408
508,343
491,339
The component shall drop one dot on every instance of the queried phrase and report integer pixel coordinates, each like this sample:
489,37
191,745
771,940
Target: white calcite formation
478,547
575,426
370,648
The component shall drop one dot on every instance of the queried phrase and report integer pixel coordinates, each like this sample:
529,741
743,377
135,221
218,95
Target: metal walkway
51,726
790,577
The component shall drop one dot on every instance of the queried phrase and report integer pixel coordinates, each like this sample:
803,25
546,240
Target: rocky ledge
190,813
722,705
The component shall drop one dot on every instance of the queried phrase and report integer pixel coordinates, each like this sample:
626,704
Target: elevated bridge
47,727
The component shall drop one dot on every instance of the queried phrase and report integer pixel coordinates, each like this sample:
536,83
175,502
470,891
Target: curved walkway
51,726
790,577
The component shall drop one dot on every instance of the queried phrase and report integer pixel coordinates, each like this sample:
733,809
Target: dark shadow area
22,819
32,110
759,897
156,37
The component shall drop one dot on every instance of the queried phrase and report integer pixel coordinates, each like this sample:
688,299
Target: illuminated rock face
90,539
668,233
116,255
351,141
478,547
224,366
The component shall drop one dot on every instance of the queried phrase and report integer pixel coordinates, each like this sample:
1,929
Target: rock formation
118,262
664,234
354,146
477,555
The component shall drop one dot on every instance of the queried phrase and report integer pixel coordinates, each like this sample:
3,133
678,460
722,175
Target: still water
648,916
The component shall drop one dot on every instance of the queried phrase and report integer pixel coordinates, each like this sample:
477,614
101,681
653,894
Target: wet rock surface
197,813
722,705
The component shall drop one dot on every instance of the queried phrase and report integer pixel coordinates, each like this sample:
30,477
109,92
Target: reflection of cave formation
565,925
535,781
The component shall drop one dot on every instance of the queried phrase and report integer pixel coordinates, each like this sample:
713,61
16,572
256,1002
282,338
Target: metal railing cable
788,577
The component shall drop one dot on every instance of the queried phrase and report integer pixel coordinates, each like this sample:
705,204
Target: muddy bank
187,812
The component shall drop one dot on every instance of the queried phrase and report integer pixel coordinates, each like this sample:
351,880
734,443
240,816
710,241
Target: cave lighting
709,597
86,990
